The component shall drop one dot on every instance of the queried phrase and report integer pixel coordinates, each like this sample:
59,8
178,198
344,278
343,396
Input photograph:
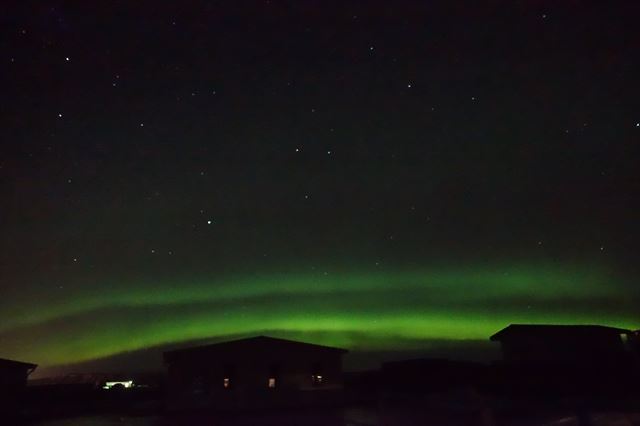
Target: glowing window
123,384
316,379
226,382
272,382
625,341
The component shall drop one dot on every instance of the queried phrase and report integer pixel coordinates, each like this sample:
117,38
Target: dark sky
375,175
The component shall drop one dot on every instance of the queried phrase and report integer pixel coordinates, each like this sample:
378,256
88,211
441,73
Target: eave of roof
13,363
177,352
519,329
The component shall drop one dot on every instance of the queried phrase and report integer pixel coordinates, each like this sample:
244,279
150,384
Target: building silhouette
564,343
253,372
568,359
430,375
13,381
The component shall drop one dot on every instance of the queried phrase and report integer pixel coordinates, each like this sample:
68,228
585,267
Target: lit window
226,382
316,379
626,342
118,385
272,382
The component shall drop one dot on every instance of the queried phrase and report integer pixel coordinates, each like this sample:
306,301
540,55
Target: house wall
12,385
198,377
595,348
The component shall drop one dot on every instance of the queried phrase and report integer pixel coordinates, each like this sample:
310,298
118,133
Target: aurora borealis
402,175
369,310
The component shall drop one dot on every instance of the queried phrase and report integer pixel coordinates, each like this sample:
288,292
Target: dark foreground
463,407
348,417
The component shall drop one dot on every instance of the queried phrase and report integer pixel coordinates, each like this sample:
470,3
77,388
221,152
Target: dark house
430,375
567,359
257,371
13,381
564,343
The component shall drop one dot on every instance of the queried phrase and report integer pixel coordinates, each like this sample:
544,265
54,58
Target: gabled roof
249,343
547,330
9,363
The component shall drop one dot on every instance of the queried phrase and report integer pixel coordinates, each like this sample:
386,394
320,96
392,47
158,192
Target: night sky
373,175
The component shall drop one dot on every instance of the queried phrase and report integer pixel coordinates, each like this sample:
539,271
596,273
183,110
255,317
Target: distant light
209,222
126,384
59,115
66,59
141,124
316,379
272,382
226,382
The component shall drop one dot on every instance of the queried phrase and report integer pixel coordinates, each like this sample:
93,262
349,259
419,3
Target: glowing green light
360,310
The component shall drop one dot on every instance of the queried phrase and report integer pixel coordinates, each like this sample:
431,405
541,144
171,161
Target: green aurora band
359,310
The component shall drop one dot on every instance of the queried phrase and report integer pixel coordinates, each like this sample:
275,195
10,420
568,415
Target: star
66,59
209,222
59,115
